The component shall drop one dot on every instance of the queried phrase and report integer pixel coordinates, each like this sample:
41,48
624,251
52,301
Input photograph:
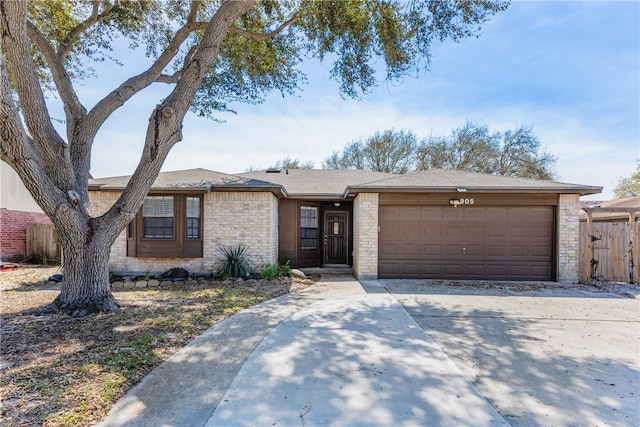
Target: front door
336,237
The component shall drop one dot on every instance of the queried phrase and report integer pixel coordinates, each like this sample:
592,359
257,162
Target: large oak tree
212,53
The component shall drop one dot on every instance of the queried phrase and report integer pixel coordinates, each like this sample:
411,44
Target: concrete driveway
541,355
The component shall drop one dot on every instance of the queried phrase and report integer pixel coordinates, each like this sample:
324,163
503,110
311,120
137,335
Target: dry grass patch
59,371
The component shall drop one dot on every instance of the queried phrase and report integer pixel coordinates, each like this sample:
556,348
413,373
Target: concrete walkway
338,354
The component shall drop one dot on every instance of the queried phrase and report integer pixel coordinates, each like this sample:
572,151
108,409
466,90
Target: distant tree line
629,186
472,147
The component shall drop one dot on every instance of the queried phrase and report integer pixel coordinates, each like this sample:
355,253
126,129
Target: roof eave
581,190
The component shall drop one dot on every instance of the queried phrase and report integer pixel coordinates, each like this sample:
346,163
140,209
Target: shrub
285,269
232,261
271,271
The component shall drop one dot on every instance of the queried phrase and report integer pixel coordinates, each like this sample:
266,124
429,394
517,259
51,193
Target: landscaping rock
297,273
141,284
228,282
117,285
166,283
174,273
56,278
129,284
153,283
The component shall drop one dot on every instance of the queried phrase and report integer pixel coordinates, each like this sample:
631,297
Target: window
157,217
308,227
167,226
193,218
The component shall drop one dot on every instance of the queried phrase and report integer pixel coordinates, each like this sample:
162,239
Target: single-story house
625,209
441,224
17,211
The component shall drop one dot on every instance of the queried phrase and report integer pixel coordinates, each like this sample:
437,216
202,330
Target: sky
570,70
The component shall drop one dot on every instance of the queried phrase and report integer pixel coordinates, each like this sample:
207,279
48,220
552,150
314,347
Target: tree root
108,304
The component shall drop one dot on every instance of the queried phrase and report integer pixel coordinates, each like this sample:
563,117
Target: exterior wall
13,232
230,218
17,210
14,195
365,236
568,238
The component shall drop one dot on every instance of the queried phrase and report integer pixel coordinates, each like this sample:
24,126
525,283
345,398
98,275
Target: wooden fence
43,244
610,252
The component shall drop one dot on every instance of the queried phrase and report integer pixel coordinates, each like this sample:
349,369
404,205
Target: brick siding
13,232
568,238
230,218
365,236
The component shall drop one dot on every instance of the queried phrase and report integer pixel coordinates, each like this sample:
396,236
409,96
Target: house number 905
456,202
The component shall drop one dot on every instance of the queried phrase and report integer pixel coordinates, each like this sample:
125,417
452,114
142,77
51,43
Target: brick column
365,236
568,238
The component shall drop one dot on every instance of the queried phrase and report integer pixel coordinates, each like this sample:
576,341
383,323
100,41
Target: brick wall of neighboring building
230,218
365,236
13,232
568,238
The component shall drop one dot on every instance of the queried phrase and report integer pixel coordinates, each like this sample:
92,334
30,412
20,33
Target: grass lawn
59,371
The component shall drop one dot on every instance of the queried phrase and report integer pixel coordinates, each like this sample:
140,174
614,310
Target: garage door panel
494,251
453,214
474,214
541,232
496,214
433,214
518,252
497,231
389,269
453,231
412,250
475,250
475,270
454,270
429,250
411,213
467,242
518,232
410,231
476,231
543,252
389,250
432,231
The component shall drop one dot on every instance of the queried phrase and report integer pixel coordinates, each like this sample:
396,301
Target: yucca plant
232,261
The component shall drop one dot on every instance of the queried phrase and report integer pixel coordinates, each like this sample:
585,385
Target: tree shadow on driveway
359,361
546,357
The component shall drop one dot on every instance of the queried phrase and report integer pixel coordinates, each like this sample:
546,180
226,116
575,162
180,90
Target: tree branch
166,78
19,151
114,100
165,124
74,34
15,43
267,36
73,108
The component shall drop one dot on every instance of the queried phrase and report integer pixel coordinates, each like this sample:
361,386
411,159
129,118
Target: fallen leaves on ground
60,371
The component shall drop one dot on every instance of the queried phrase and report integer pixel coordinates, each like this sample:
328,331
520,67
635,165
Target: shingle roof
195,179
450,180
613,209
317,182
327,183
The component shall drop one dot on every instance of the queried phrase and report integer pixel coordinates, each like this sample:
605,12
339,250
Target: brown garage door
467,242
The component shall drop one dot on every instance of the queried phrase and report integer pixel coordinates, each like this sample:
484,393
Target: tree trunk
85,287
